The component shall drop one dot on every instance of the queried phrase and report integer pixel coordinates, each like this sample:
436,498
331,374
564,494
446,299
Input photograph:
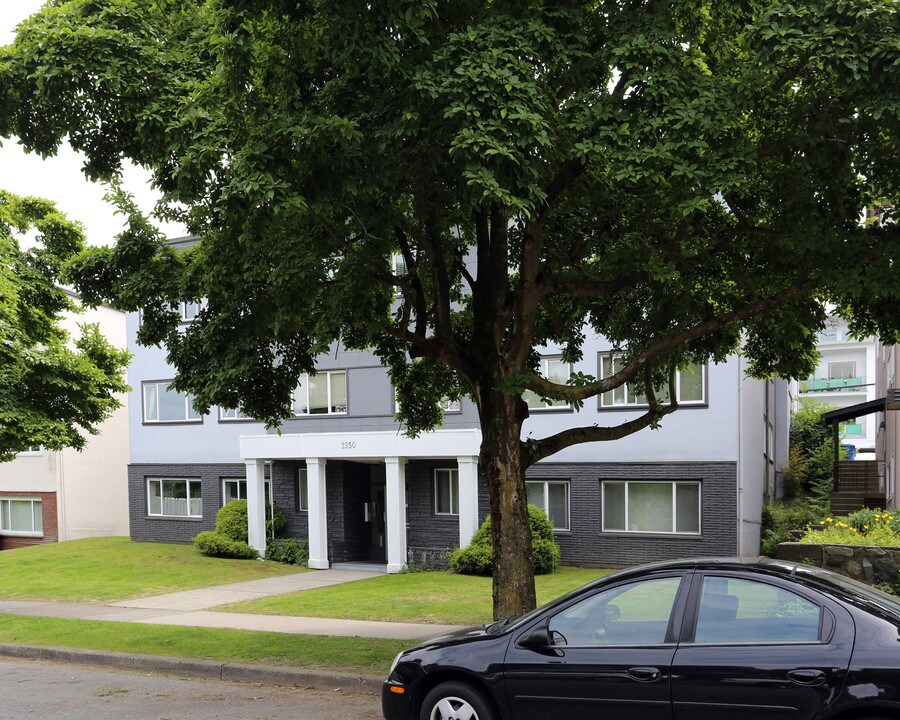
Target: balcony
831,385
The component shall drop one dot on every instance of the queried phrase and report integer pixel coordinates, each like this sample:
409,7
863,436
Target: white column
468,498
318,523
395,502
256,505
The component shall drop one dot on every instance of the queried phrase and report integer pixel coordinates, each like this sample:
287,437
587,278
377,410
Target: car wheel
455,701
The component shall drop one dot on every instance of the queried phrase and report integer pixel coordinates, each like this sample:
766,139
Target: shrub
780,519
216,544
232,520
275,526
478,557
287,551
876,528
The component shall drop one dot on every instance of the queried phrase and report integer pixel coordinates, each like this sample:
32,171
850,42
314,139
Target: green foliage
275,525
55,389
878,528
811,460
478,557
216,544
780,519
231,520
287,551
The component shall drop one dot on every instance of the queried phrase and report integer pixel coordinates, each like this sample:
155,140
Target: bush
275,526
478,557
780,519
232,520
216,544
287,551
877,528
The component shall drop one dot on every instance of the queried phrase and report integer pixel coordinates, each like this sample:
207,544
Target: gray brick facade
430,536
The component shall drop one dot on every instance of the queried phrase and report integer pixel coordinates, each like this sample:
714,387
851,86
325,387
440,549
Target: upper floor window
32,450
21,516
324,393
163,404
841,370
556,370
448,406
690,384
446,491
233,414
188,310
651,507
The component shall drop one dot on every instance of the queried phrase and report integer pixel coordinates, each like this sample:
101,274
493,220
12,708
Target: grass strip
116,568
428,597
367,656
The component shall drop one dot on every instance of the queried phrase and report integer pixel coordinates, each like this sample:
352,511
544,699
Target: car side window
733,610
634,614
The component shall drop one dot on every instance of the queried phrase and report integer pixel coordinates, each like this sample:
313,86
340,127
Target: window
188,310
446,492
322,394
175,497
555,370
551,496
163,404
302,499
633,614
841,370
33,450
690,383
449,406
232,414
733,610
651,507
236,489
21,516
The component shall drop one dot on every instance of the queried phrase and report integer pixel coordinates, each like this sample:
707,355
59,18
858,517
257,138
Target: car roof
765,565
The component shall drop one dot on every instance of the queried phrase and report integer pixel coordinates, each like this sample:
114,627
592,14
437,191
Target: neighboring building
887,421
46,496
346,479
845,376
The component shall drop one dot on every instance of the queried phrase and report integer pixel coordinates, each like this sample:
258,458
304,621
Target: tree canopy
458,183
53,391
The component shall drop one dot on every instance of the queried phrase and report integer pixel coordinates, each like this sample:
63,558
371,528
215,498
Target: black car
685,640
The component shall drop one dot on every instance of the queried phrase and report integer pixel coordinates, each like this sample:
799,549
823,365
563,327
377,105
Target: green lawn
115,568
369,656
428,597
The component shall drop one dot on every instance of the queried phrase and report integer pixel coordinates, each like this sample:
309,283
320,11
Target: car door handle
644,674
807,677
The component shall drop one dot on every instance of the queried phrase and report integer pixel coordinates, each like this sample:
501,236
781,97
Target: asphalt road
45,691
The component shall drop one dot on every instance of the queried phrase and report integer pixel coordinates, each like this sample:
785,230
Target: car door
606,655
758,648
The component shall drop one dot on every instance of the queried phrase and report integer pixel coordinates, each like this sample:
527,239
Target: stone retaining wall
867,564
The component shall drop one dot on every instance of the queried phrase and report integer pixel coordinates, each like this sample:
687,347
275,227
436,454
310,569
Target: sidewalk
192,608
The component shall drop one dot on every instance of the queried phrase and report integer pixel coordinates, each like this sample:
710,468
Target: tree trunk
503,462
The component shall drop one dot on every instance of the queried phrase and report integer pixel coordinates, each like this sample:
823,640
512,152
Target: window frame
664,533
448,409
563,406
239,480
305,387
452,474
302,479
6,531
187,405
546,483
32,451
189,481
628,405
236,419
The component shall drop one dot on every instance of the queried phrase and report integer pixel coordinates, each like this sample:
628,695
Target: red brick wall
48,518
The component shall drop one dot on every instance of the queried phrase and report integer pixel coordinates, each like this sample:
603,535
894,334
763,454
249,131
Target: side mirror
538,638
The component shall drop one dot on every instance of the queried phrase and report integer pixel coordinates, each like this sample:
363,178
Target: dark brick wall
177,530
49,522
586,544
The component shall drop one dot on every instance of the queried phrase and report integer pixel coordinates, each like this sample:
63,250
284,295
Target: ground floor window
651,507
175,497
551,496
302,491
21,516
236,489
446,492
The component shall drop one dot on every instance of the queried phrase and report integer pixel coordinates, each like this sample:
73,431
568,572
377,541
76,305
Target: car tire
456,700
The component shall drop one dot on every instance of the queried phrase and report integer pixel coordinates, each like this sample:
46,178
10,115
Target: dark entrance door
376,516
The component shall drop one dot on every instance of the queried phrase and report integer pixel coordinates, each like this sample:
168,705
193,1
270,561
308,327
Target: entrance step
361,566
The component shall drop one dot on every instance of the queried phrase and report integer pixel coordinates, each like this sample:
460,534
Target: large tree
54,389
684,178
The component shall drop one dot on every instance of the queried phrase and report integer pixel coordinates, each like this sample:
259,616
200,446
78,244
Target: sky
60,178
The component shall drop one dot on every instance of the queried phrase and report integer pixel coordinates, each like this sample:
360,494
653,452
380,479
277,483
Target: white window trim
453,475
182,310
304,387
21,533
302,479
673,531
189,482
166,384
544,372
238,416
448,406
226,480
627,404
547,484
31,452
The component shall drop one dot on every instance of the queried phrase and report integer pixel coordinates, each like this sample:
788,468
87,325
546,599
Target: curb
232,672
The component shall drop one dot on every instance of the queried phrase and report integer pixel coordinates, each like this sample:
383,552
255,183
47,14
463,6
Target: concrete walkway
191,608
